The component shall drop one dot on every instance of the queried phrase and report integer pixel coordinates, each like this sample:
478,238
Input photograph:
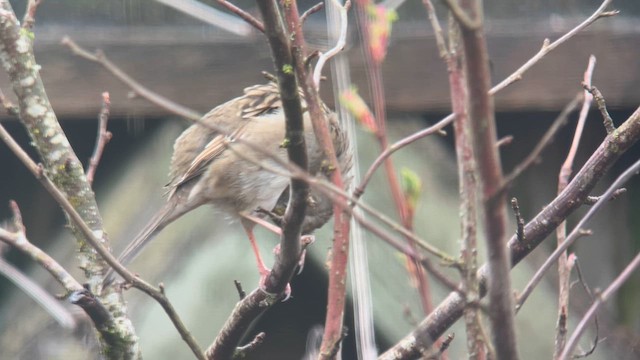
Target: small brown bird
210,167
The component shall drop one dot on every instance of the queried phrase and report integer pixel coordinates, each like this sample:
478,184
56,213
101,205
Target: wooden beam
200,68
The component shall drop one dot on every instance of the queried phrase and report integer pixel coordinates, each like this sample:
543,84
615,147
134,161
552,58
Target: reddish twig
374,72
29,18
103,137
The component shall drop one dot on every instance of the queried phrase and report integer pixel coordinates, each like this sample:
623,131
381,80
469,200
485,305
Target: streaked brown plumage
206,167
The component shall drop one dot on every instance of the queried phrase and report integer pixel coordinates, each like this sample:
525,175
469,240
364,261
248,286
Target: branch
103,137
50,304
157,99
482,132
609,291
548,46
243,15
76,293
60,163
546,139
564,269
258,301
100,249
451,308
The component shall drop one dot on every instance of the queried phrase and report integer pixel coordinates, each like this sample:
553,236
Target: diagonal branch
536,231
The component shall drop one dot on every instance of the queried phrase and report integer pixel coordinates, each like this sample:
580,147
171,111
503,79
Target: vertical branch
564,270
340,249
296,150
468,192
60,162
482,128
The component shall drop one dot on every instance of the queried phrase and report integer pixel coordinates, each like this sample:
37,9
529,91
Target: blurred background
200,66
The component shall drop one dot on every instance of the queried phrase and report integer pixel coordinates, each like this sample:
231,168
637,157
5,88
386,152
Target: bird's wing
257,101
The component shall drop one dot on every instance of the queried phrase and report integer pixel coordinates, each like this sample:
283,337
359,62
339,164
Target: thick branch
482,130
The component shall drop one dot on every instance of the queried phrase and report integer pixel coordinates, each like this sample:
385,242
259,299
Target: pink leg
262,269
262,222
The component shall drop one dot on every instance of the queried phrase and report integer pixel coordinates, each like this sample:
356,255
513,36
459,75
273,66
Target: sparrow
210,166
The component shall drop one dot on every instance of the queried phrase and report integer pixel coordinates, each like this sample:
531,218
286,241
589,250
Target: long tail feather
162,218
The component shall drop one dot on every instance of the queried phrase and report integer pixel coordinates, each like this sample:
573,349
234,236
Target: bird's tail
162,218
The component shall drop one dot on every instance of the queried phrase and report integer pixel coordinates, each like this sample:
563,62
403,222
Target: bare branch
546,139
609,291
312,10
451,308
96,243
578,229
243,15
77,294
548,46
437,30
564,268
29,18
602,106
50,304
157,99
103,137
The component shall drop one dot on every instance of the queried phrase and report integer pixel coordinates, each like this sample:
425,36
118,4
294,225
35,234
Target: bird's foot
264,274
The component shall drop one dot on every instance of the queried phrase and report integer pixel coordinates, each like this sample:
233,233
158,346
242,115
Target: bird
210,166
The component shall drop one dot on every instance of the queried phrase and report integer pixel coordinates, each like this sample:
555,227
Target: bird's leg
262,269
262,222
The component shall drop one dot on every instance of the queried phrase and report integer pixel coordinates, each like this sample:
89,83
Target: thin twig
241,293
77,294
29,18
103,137
609,291
548,46
244,351
340,43
602,106
519,219
157,99
593,199
546,139
564,269
437,30
587,290
243,15
50,304
312,10
434,129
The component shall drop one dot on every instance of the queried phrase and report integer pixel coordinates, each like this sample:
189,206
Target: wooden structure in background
201,67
